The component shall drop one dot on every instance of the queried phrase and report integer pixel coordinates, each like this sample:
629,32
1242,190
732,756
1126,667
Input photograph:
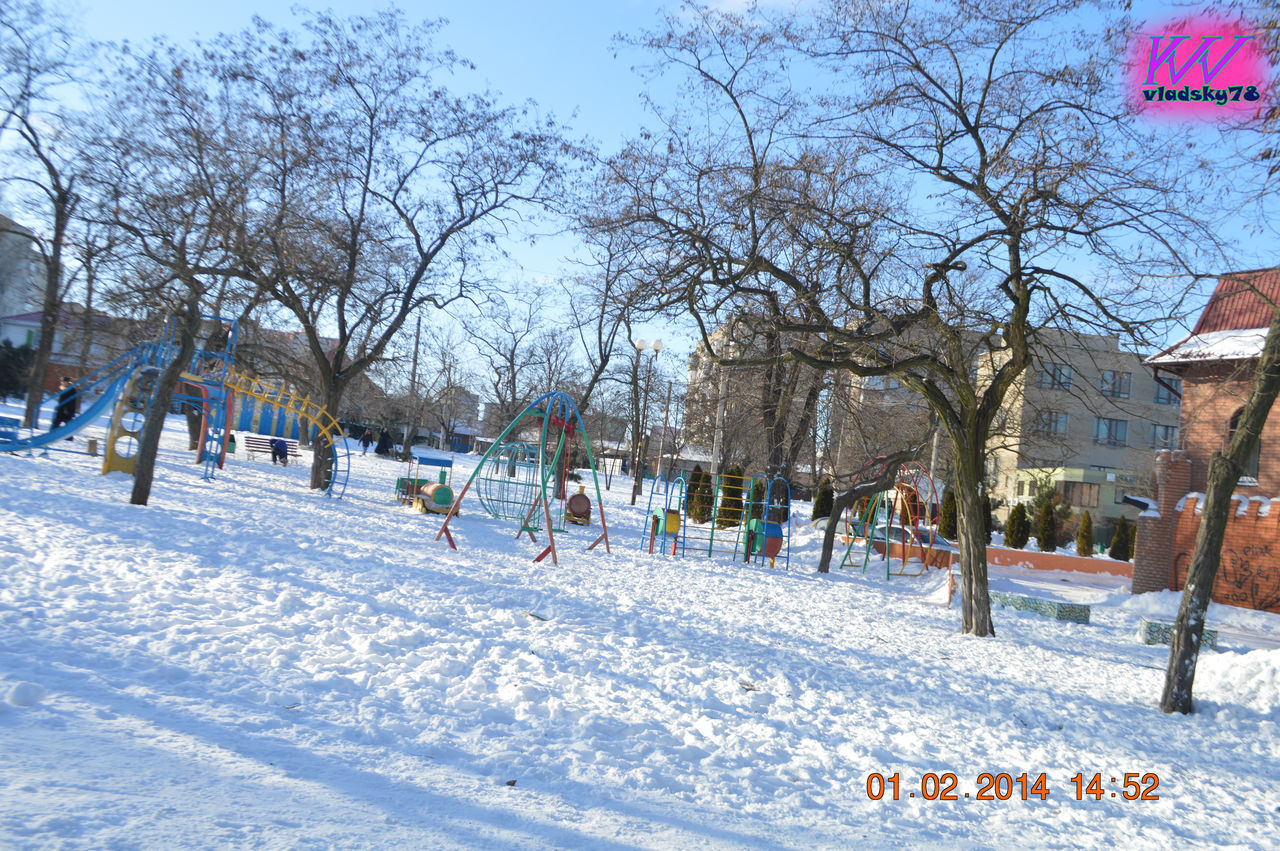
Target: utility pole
638,486
662,438
413,390
715,448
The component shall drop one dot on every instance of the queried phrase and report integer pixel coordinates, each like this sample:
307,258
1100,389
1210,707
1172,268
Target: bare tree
40,64
503,337
167,169
371,191
982,149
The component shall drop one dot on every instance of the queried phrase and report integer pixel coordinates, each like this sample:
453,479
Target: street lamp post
640,433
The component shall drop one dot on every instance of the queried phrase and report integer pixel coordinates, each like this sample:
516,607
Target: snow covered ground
246,663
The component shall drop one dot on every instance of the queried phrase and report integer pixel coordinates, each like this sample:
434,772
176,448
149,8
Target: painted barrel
667,522
578,508
772,540
435,497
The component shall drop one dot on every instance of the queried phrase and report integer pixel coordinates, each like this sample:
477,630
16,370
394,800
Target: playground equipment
897,518
518,481
126,387
95,393
326,434
665,523
577,508
424,493
733,515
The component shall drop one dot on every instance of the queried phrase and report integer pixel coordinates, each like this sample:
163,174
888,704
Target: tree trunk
40,364
149,440
195,418
1188,629
838,506
1224,473
975,608
322,471
50,307
865,487
51,304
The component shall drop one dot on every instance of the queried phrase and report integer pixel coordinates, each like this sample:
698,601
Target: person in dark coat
279,451
68,404
384,443
366,440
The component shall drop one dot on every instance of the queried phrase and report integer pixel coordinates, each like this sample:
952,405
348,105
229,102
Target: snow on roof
1214,346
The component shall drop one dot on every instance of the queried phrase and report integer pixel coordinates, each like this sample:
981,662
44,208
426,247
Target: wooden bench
255,443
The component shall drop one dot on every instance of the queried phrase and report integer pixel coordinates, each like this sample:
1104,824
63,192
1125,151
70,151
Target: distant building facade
21,273
1088,418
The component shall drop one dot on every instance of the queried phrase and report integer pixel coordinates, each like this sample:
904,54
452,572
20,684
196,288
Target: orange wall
1008,557
1249,574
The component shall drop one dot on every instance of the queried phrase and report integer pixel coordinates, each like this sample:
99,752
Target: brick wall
1153,553
1249,575
1211,394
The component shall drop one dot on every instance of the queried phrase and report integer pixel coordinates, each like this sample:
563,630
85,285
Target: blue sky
558,54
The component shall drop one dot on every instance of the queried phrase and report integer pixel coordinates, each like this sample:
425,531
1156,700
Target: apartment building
1087,417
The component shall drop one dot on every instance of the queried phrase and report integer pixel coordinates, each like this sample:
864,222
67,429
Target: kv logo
1219,74
1159,57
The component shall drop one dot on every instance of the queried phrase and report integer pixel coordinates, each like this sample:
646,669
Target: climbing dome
508,484
524,480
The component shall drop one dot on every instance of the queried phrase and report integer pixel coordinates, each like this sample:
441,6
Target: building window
1022,487
1249,476
1168,391
1054,376
1115,383
1079,494
1109,432
1164,436
1050,424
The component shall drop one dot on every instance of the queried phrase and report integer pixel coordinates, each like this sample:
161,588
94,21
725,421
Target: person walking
68,404
366,440
384,443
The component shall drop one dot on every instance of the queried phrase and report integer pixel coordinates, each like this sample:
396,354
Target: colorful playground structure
897,524
423,492
526,481
743,517
126,387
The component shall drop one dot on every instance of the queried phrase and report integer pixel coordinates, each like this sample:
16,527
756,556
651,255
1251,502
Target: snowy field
246,663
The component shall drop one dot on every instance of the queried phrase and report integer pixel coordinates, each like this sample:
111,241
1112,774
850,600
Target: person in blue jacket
279,451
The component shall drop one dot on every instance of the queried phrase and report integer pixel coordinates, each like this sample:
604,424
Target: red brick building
1213,370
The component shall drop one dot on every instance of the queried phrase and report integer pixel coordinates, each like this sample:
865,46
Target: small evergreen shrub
1084,536
1018,530
698,495
948,523
825,500
1046,528
730,498
1120,541
758,492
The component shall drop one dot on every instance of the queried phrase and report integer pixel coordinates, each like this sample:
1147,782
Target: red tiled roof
1236,303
